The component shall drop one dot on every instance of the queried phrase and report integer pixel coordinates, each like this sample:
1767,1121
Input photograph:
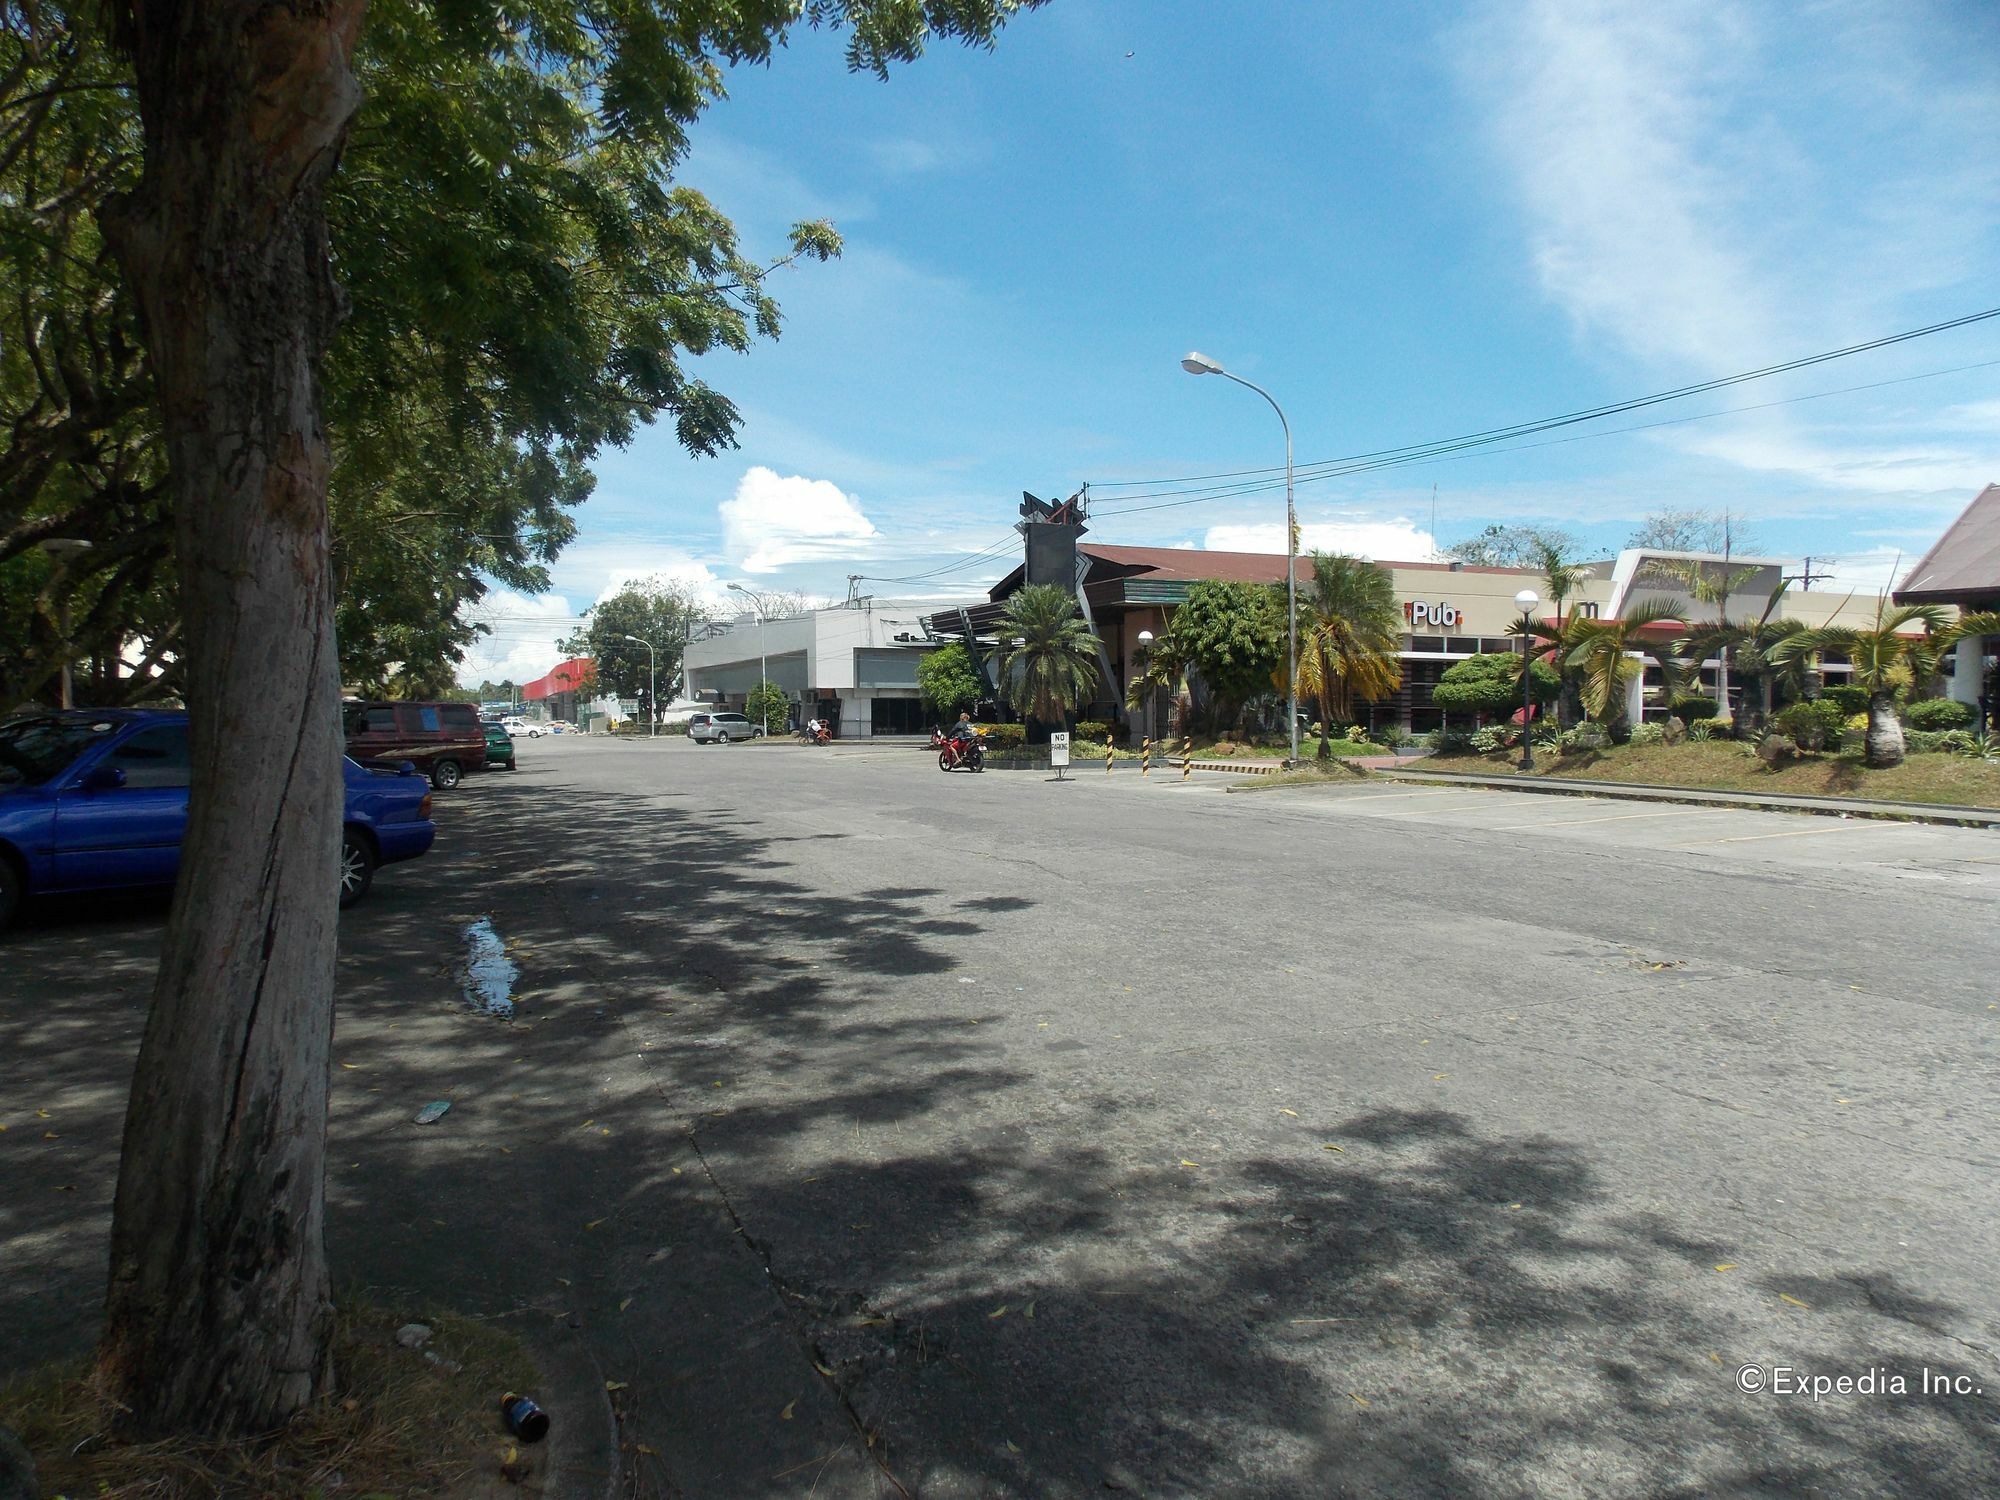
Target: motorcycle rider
963,729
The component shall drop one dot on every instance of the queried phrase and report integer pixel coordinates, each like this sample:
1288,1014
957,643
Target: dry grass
1310,773
1725,766
400,1425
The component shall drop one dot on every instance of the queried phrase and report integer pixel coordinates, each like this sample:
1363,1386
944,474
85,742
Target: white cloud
775,520
1400,540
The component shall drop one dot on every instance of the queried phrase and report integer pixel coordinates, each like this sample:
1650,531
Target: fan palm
1350,637
1609,654
1884,658
1711,583
1749,647
1046,662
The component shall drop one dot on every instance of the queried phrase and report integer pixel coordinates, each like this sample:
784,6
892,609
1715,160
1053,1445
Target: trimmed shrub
1647,734
1491,684
1938,714
1004,736
1450,741
1093,730
1811,726
1851,700
1693,707
1718,729
1487,740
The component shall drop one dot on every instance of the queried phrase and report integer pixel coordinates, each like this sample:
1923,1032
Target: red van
444,740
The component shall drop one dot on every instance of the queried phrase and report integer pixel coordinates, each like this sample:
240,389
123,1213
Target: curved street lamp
757,605
1200,364
653,680
1527,599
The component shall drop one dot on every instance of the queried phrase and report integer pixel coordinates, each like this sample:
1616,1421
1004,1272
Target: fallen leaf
998,1312
1028,1311
648,1451
1513,1205
1727,1265
593,1223
786,1414
50,1135
823,1369
1357,1399
1292,1112
625,1304
1425,1042
350,1066
1788,1297
1439,1077
1714,1356
1186,1163
614,1385
563,1281
1010,1446
1341,1149
601,1130
41,1114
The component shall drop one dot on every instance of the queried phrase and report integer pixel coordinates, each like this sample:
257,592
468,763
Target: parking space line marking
1676,812
1795,833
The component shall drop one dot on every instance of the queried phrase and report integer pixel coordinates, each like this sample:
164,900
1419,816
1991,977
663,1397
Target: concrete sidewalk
1846,807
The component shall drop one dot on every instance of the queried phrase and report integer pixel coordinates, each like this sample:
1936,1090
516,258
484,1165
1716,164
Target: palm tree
1749,647
1350,637
1884,659
1046,662
1561,578
1611,653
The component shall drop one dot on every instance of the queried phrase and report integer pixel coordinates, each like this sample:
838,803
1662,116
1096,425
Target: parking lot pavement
992,1136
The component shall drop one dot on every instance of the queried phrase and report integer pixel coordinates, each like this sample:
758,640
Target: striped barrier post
1187,756
1107,752
1145,757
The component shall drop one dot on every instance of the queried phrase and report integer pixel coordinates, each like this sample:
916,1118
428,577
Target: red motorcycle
957,754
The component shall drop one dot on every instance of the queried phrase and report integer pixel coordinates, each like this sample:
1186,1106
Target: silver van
720,729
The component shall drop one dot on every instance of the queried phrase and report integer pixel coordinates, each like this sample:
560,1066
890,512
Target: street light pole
653,685
1201,364
1527,599
763,674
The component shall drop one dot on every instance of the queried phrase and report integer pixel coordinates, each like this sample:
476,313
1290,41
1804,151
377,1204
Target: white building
855,665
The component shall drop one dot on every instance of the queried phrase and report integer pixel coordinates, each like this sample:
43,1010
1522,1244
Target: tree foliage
768,706
1046,662
1692,530
1512,546
948,681
659,610
1232,635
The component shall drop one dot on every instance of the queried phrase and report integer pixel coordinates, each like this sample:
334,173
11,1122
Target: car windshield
36,747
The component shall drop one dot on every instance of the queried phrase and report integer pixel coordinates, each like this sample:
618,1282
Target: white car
519,727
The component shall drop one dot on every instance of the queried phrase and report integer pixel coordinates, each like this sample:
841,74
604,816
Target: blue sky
1407,222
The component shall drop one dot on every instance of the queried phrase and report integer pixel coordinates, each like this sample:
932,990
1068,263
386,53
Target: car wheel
722,737
445,775
513,765
10,892
357,867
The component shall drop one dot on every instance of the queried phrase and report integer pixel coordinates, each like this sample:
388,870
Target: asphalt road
880,1132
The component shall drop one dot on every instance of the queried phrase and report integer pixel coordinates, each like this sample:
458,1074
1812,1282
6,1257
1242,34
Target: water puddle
489,974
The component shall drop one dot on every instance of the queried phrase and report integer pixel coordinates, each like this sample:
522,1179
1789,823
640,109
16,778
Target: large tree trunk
218,1308
1884,745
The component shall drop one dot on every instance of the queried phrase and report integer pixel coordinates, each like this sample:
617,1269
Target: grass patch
1728,766
1205,748
1311,773
399,1425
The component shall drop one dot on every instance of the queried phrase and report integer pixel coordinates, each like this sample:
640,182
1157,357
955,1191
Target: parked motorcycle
956,754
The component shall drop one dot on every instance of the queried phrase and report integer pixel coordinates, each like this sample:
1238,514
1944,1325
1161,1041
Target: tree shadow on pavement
1012,1288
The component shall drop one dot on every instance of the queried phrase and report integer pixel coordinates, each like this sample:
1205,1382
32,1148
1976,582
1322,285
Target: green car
499,745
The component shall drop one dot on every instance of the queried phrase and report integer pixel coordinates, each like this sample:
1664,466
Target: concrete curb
580,1460
1905,812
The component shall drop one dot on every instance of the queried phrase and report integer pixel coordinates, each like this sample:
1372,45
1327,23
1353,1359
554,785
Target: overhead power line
1377,458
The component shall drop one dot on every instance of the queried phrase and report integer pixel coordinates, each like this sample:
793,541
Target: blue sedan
96,799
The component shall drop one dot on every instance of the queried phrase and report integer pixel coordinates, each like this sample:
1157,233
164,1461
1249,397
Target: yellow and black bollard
1107,752
1187,756
1145,757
